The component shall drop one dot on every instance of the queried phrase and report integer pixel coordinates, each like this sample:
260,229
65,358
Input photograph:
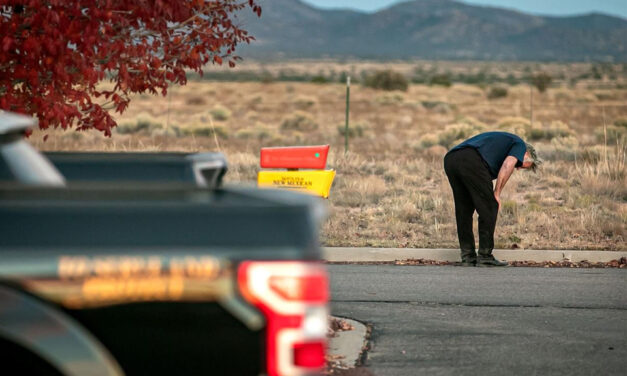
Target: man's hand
506,171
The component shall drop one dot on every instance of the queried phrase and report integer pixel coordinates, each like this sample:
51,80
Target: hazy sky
544,7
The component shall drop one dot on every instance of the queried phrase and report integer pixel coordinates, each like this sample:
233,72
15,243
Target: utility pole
531,106
348,94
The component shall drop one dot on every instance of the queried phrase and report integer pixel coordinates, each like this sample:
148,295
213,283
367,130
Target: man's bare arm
504,173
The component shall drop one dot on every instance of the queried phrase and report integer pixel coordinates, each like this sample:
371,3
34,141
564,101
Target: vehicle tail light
293,297
310,288
309,354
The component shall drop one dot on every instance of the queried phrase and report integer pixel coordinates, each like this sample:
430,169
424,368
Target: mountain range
431,29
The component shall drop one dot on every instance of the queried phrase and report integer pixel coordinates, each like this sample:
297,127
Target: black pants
472,189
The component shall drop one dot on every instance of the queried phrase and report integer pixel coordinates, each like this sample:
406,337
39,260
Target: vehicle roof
14,123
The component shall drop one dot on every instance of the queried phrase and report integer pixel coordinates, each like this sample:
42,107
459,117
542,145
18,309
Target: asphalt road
487,321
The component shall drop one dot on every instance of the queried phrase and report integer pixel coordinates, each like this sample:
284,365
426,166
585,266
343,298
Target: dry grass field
390,189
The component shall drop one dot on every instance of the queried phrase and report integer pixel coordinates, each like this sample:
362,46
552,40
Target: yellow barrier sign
317,182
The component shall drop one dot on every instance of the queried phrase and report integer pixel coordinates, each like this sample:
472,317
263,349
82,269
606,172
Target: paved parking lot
493,321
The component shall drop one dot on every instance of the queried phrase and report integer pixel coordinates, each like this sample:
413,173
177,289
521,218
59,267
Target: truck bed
202,169
56,243
266,224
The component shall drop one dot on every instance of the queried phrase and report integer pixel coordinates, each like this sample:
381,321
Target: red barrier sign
292,157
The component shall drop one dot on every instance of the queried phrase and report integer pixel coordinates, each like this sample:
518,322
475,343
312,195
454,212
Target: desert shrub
408,212
360,191
513,121
512,80
258,132
541,81
622,122
497,92
291,75
266,77
205,131
516,125
431,104
562,95
605,96
472,122
357,130
348,198
255,100
243,167
127,128
614,134
441,80
562,149
523,128
592,154
304,102
142,123
296,137
171,131
509,208
444,108
566,142
455,133
252,116
145,121
220,113
389,99
195,100
386,80
428,140
299,121
535,133
435,152
319,79
438,106
557,129
245,134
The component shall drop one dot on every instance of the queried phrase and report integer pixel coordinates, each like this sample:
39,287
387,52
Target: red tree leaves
53,53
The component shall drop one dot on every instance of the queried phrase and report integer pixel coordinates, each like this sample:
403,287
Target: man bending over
470,167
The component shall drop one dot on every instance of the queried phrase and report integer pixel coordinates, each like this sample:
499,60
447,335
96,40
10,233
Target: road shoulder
358,254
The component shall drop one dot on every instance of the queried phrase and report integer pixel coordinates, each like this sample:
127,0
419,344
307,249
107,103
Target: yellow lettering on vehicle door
92,281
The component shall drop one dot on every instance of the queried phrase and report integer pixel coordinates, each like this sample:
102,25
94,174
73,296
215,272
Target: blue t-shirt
494,147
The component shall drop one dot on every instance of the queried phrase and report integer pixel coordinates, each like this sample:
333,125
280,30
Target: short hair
534,155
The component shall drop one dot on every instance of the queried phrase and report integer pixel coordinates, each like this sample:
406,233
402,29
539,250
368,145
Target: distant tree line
390,80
